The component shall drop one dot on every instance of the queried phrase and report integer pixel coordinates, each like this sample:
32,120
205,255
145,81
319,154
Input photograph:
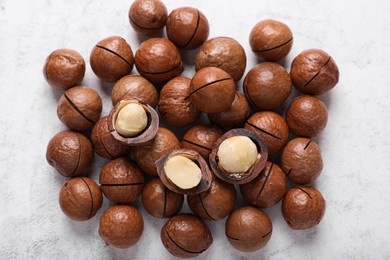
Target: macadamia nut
183,172
131,120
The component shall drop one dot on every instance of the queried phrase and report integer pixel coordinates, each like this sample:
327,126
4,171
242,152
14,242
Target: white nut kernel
182,172
131,120
237,154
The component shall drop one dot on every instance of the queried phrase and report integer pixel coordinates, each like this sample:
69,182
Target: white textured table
355,145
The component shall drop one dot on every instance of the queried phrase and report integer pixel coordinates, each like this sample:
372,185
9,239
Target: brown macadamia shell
302,161
248,229
267,85
303,207
158,60
201,138
174,105
212,90
112,58
79,108
224,53
134,87
187,27
159,201
306,116
146,155
271,127
121,226
148,17
271,40
267,189
186,236
121,181
80,198
314,72
70,153
64,68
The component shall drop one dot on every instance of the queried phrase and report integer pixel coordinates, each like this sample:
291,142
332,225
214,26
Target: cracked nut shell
121,226
174,105
271,40
146,155
64,68
267,189
267,85
314,72
112,58
248,229
239,177
159,201
186,236
205,181
306,116
302,161
187,27
148,17
224,53
212,90
303,207
216,203
79,108
70,153
134,87
158,60
271,127
121,181
80,198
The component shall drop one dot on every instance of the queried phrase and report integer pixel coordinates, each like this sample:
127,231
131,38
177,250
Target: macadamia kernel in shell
183,172
131,120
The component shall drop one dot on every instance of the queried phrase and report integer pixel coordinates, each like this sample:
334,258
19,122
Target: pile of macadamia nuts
246,145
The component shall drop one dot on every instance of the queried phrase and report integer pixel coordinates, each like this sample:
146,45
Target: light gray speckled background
355,144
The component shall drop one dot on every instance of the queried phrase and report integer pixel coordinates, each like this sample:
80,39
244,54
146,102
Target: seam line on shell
78,157
100,140
194,33
116,54
198,145
267,233
307,145
274,48
78,110
90,193
265,181
263,131
204,208
305,192
245,88
144,28
165,201
206,85
288,173
182,248
232,237
162,72
121,184
318,72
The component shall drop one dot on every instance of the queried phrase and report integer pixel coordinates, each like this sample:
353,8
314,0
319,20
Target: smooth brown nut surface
80,198
187,27
212,90
302,161
314,72
303,207
271,40
104,144
186,236
64,68
174,105
79,108
201,138
70,153
237,156
224,53
146,155
112,58
158,60
159,201
142,136
267,189
121,181
271,127
134,87
216,203
267,85
148,16
121,226
191,176
306,116
248,229
235,116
